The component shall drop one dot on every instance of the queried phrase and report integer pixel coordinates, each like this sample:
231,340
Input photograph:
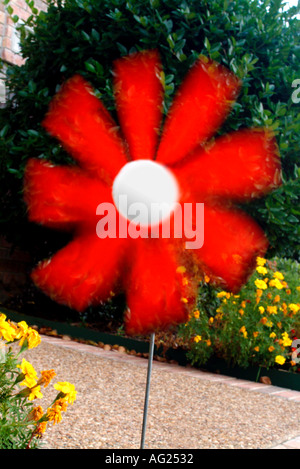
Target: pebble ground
188,408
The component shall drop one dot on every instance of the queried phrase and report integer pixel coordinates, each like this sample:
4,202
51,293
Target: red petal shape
240,165
83,273
158,294
81,122
138,95
201,105
59,195
232,241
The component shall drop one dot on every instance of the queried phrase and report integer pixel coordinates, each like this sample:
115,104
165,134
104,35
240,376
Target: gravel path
184,411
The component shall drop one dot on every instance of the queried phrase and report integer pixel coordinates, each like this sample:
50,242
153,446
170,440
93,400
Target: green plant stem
258,374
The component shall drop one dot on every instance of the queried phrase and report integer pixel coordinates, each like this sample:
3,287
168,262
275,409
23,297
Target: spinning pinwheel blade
174,162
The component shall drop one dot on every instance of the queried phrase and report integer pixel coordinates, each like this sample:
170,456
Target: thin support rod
150,360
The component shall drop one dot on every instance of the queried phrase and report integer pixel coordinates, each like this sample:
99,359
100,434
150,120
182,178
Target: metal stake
150,360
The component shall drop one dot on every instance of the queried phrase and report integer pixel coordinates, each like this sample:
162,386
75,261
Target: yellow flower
211,320
221,294
276,283
196,314
278,275
256,349
279,325
280,359
286,341
21,329
261,309
261,270
272,335
35,393
208,343
68,389
29,374
255,334
260,261
7,331
276,299
241,311
197,338
264,320
244,332
294,308
243,304
260,284
206,279
271,348
269,324
181,269
32,336
272,309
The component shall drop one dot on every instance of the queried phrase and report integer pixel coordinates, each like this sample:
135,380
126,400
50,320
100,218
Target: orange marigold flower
41,428
36,413
47,376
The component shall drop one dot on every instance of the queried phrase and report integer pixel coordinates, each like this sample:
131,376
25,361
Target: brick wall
9,35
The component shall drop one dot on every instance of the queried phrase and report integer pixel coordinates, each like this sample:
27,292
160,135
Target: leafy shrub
22,424
256,326
255,39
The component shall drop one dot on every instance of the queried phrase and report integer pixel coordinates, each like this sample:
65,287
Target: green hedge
255,39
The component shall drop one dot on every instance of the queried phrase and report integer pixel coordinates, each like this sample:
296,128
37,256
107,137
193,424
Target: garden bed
277,377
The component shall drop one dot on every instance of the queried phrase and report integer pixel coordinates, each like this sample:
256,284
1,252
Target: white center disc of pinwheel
145,192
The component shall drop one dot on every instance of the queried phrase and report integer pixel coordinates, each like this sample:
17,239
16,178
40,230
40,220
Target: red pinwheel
158,275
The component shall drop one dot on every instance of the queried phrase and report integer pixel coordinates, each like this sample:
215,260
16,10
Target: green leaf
95,35
9,10
89,67
207,44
